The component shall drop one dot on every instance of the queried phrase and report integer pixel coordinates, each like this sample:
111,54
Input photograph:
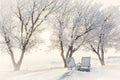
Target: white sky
109,2
105,2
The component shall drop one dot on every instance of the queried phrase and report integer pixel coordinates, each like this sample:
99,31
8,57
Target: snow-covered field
48,66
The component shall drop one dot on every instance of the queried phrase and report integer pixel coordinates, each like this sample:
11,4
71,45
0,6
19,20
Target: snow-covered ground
48,66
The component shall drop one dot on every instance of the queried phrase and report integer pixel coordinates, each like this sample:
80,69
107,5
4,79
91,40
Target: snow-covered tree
74,21
102,37
18,29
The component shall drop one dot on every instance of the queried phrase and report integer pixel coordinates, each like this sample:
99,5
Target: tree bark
64,60
67,55
62,54
71,51
17,65
102,57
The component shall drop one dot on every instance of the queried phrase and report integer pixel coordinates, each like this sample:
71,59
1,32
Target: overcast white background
106,2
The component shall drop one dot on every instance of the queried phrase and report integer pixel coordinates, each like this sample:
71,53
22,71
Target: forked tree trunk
100,55
17,65
101,59
102,62
70,52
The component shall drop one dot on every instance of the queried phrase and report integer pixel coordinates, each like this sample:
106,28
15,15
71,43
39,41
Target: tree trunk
21,59
17,67
102,57
71,51
101,60
18,64
62,55
64,60
67,55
